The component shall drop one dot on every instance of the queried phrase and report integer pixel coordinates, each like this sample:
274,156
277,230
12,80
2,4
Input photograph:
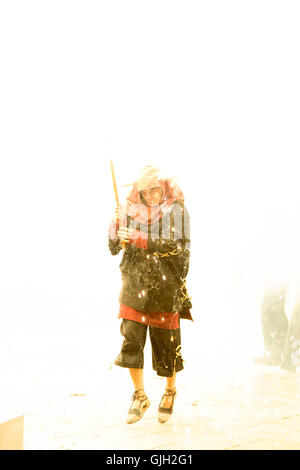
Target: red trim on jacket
139,239
165,320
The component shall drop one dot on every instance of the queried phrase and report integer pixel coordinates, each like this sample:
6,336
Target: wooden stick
116,195
114,182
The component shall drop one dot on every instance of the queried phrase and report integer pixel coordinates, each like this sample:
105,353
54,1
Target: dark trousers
281,336
166,348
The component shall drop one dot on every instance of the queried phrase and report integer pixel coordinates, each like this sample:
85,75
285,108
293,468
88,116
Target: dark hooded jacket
154,277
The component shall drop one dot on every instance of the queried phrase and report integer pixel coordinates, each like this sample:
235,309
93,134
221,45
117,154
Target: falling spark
164,277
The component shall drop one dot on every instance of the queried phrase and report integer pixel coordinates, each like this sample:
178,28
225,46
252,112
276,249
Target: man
155,263
281,336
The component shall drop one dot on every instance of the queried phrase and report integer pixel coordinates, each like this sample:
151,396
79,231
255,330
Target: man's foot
165,408
288,366
140,403
266,360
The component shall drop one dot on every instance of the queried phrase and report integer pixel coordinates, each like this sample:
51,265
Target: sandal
140,403
165,413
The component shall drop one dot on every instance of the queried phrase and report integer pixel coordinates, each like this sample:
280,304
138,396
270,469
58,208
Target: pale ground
249,409
72,397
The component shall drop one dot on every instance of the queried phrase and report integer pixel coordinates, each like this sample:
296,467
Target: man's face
152,196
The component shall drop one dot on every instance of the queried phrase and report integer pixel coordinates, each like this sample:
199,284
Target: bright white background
207,90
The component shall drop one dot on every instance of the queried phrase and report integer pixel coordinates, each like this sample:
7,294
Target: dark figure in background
281,336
